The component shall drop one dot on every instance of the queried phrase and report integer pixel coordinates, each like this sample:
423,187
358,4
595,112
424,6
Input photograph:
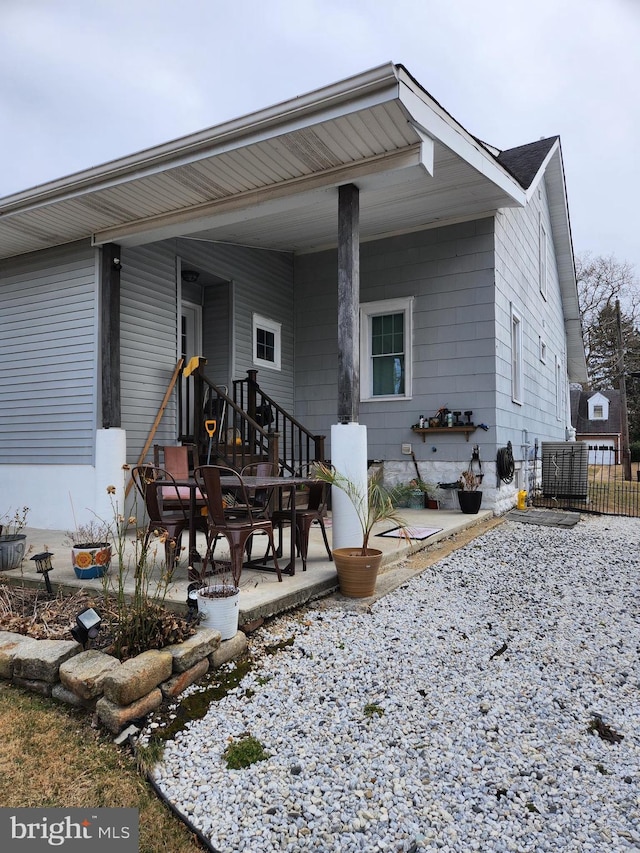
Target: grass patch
82,769
244,752
371,709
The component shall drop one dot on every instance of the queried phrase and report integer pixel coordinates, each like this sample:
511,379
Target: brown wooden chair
180,460
311,508
237,528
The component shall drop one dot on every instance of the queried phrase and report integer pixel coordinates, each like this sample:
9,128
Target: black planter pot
469,501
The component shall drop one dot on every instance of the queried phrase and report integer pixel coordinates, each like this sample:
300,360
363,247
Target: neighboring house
464,277
597,419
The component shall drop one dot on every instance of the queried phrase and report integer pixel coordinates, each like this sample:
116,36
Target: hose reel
505,466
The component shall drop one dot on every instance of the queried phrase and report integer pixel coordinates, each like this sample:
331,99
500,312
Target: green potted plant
13,541
90,549
400,494
469,493
357,566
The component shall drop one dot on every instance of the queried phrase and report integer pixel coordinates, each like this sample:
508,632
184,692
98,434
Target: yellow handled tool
210,426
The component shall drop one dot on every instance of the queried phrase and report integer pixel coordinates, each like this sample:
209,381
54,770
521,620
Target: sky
83,82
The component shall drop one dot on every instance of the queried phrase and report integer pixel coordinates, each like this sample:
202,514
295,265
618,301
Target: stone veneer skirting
118,692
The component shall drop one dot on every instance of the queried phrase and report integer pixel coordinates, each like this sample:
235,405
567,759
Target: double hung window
385,356
516,357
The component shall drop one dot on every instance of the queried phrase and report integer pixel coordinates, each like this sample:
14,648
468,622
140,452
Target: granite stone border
118,692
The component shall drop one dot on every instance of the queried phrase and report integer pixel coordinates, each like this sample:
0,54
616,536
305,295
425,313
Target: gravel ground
491,703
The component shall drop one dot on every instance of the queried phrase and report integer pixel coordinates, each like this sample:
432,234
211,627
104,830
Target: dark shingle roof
580,413
524,161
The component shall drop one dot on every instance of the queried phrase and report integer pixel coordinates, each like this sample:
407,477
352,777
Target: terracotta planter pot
91,560
219,607
469,501
12,550
357,575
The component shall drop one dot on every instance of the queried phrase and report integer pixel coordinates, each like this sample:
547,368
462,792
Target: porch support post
348,437
348,303
110,334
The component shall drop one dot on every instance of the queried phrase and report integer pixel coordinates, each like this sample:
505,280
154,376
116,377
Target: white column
111,454
349,457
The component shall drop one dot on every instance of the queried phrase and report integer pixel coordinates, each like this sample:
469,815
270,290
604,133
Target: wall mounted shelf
467,429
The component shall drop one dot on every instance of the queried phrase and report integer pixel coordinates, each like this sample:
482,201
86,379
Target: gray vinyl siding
261,282
148,312
518,282
48,356
449,272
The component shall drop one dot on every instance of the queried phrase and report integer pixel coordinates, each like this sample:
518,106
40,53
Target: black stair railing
227,434
245,427
298,446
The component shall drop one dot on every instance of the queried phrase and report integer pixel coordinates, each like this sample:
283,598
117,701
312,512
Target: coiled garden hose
505,465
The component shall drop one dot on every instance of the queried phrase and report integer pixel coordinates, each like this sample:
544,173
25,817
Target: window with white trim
559,387
543,351
542,250
598,407
267,342
516,356
386,332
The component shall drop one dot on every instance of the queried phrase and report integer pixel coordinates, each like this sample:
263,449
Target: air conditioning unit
565,469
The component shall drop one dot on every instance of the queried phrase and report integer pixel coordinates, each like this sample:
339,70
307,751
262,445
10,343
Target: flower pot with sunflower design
91,560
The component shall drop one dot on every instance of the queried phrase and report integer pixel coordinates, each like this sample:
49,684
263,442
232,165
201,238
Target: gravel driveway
492,703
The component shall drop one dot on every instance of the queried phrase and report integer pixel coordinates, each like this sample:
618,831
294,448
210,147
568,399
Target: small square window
267,336
543,351
543,259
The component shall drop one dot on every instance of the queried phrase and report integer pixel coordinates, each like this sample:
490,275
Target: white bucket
220,612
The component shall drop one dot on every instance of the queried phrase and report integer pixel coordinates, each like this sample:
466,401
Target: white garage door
602,453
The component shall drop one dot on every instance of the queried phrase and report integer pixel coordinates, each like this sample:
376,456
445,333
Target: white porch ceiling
271,179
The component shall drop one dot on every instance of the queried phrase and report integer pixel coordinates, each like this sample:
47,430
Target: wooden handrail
158,418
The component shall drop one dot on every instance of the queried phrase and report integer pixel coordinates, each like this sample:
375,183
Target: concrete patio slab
261,593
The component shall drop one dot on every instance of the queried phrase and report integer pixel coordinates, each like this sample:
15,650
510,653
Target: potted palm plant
357,566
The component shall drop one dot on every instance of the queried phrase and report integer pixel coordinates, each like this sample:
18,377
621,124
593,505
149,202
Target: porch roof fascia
384,84
370,87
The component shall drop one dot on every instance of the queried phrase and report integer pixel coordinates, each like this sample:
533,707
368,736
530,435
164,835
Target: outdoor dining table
280,485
